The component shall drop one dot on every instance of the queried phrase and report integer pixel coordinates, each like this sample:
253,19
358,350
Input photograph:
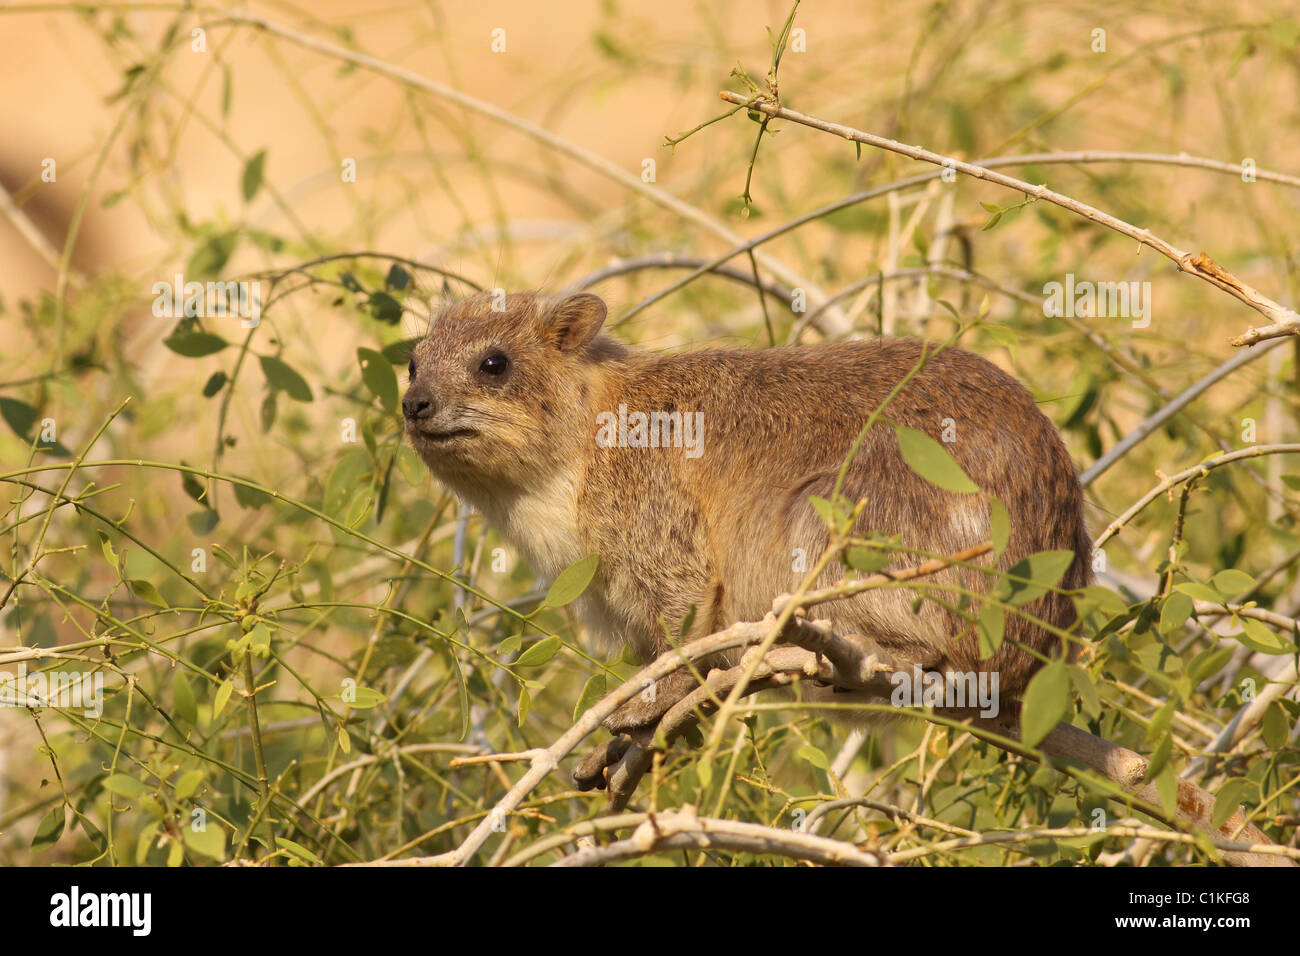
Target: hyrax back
531,417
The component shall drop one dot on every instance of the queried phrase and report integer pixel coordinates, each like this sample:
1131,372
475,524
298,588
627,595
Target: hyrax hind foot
590,772
645,709
640,713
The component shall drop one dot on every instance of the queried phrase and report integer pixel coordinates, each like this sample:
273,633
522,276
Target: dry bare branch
1284,321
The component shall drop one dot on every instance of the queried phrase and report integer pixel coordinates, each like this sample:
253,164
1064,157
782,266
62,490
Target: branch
1194,807
812,650
921,179
683,830
544,761
1204,467
1285,321
1168,411
593,161
671,260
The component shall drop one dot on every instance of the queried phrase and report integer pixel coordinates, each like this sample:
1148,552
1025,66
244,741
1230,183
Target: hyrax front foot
655,700
590,772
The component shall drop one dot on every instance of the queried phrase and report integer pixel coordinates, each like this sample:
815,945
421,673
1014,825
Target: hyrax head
497,387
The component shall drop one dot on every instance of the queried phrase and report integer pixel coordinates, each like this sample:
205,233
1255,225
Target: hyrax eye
410,368
494,364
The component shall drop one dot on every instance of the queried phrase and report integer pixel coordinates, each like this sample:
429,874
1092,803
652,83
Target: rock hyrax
539,422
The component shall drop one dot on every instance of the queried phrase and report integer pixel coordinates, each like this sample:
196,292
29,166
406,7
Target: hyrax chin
690,474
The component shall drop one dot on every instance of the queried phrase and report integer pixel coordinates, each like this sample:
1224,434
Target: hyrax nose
416,404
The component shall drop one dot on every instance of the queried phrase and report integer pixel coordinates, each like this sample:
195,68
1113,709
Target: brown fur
718,532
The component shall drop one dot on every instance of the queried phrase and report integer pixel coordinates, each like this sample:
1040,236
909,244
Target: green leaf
249,497
283,377
20,416
1275,728
188,784
1161,756
210,258
399,352
379,377
297,850
202,522
525,702
1047,700
999,525
462,696
814,756
836,514
1199,592
1103,600
124,786
572,581
1259,637
1231,795
268,411
1207,663
183,699
106,546
352,470
539,653
209,842
147,592
216,382
1167,786
193,487
1162,719
991,627
1086,689
1174,611
385,308
366,698
50,828
1040,572
409,463
704,770
866,560
251,181
358,508
1231,581
931,460
397,278
195,344
220,697
259,638
592,691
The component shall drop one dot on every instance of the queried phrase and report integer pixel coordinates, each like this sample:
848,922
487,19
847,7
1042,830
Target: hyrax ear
574,320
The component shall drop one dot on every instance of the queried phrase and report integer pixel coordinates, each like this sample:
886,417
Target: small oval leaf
572,581
931,460
539,653
1047,700
284,378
